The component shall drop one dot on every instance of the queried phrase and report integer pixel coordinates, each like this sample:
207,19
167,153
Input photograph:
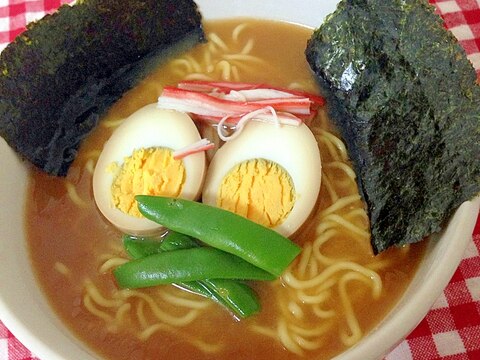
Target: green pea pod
186,265
138,246
236,296
223,230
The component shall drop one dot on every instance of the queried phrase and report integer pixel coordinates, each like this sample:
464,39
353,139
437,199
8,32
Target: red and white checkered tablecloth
451,329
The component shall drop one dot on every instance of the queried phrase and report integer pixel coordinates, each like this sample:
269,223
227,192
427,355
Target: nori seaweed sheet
66,70
403,94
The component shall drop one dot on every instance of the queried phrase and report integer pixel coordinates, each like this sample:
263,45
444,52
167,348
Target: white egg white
147,127
294,148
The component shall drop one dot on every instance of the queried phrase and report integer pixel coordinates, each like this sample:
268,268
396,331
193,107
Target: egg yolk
151,171
259,190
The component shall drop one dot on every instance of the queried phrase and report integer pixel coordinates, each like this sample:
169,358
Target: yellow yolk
151,171
259,190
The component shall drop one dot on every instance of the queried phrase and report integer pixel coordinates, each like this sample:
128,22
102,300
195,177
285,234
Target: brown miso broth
71,244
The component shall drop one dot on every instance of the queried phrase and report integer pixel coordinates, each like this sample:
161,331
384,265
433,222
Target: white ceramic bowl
25,311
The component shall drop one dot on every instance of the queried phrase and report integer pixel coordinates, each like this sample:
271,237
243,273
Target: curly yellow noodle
198,76
211,47
304,260
332,151
295,310
318,298
215,39
207,60
313,268
244,57
248,47
140,311
330,188
341,166
339,145
92,154
307,344
321,239
379,265
359,214
194,63
323,226
200,344
339,205
188,303
263,330
73,195
347,225
183,63
88,304
225,69
111,263
352,321
105,257
161,315
98,298
235,73
322,313
121,312
297,86
292,281
238,30
152,329
286,339
111,123
315,331
90,166
62,268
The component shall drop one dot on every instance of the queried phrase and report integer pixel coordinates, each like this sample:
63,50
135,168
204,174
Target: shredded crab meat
253,95
199,146
268,110
232,105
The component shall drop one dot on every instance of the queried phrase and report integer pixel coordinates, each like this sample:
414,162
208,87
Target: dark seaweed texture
403,94
59,77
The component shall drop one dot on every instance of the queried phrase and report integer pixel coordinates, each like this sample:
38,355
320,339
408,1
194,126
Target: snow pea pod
139,246
223,230
236,296
186,265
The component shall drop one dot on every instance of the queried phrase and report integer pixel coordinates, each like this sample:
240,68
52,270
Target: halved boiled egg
138,159
268,174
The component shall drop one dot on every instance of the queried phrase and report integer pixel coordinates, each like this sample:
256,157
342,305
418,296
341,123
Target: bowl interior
27,314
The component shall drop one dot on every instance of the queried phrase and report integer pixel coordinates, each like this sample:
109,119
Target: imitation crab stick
227,87
208,105
199,146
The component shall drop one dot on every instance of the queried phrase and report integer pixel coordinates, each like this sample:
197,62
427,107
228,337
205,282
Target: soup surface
333,293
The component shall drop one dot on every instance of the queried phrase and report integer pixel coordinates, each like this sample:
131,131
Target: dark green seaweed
66,70
405,99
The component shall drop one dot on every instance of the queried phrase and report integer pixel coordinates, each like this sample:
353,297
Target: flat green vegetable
186,265
404,96
236,296
139,247
224,230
